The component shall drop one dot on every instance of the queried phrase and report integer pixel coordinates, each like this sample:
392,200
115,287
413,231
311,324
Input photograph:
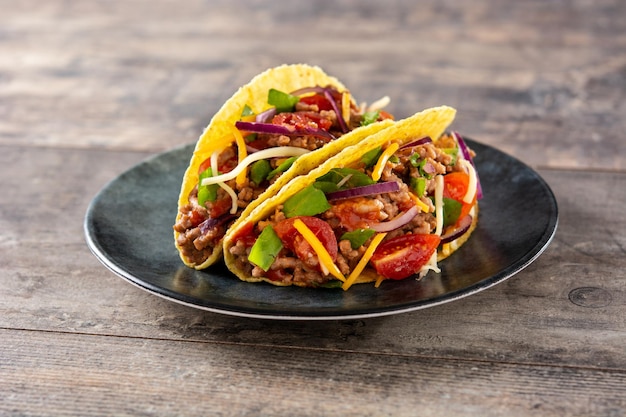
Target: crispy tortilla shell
430,122
218,135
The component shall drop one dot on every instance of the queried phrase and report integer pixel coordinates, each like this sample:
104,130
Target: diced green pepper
451,211
415,159
418,185
370,117
282,167
259,171
347,177
326,186
371,157
247,111
265,249
358,237
282,101
454,153
307,202
206,192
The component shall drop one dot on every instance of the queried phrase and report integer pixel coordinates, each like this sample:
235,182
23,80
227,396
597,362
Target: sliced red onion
306,90
422,141
397,221
212,223
338,112
265,116
429,168
379,188
287,130
468,156
464,226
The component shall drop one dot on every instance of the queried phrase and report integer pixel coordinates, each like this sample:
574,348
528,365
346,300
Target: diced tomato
403,256
294,241
303,120
246,234
455,187
318,100
196,218
223,167
219,207
356,213
383,115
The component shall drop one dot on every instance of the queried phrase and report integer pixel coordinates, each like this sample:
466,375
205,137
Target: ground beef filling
289,269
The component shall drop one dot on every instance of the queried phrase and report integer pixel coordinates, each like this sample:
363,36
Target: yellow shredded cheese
242,152
345,106
322,254
380,165
364,260
419,203
379,281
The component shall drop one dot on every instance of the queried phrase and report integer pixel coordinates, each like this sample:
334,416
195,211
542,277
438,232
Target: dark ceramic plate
128,227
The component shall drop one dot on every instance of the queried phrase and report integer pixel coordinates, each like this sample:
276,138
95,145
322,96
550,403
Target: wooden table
88,89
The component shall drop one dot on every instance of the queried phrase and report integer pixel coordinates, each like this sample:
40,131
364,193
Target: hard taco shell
218,134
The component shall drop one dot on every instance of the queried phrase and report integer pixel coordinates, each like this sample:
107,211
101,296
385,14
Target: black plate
128,227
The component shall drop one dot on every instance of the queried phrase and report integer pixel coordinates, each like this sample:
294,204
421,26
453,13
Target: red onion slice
379,188
464,226
265,116
211,222
338,112
397,221
305,90
422,141
287,130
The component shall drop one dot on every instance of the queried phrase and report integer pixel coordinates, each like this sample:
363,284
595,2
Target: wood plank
51,282
64,374
149,75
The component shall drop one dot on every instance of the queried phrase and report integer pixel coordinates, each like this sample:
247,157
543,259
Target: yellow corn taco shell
431,122
218,135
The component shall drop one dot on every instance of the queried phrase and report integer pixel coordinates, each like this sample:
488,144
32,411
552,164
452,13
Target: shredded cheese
473,182
345,106
241,153
233,197
364,260
419,203
380,165
379,281
431,265
439,204
322,254
379,104
279,151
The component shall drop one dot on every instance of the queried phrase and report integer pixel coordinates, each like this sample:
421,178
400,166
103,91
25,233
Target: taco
387,208
283,123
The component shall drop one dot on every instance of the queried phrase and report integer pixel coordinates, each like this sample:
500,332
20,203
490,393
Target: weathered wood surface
88,89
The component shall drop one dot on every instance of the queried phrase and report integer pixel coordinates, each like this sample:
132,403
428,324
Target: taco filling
386,215
260,149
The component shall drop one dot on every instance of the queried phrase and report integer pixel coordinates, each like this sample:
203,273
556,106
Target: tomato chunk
455,186
303,120
293,240
318,100
403,256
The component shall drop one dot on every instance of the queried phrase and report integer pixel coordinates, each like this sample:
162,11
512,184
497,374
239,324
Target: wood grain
85,375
